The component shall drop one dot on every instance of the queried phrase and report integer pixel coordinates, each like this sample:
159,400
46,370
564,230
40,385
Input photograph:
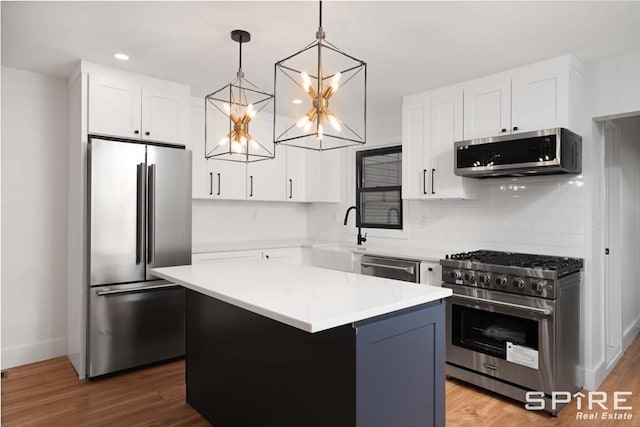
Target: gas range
524,274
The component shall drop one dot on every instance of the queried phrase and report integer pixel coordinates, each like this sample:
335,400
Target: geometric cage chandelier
232,131
321,92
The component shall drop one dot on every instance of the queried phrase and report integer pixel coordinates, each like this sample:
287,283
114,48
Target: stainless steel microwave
548,151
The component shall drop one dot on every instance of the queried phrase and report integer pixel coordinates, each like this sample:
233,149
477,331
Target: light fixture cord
320,14
240,55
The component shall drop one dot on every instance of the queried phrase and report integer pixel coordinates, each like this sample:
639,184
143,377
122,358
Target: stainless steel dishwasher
391,268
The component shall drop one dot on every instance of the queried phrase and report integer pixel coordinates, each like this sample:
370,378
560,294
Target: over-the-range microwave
548,151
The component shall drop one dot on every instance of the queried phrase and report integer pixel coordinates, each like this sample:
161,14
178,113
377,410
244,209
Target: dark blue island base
246,370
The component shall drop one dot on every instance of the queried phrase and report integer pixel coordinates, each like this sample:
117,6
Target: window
379,188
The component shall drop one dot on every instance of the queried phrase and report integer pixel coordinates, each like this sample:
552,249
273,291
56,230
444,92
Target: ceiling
408,46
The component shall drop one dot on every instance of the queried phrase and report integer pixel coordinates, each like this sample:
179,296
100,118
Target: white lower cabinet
201,258
288,255
292,255
430,273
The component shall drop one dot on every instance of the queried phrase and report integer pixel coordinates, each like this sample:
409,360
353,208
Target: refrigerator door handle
140,213
136,290
151,210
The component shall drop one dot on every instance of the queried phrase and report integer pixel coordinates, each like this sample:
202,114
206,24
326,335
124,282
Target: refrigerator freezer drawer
134,324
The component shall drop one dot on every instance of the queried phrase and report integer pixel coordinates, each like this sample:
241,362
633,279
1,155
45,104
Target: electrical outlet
424,219
255,215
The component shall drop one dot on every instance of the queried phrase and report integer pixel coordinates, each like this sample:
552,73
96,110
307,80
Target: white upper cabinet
540,96
529,98
114,106
539,100
266,178
324,173
228,180
487,108
446,127
416,157
124,106
296,179
165,115
431,124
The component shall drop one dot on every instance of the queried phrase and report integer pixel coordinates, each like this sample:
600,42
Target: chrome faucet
361,238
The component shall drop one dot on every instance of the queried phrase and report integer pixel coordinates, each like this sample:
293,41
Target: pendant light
231,113
321,93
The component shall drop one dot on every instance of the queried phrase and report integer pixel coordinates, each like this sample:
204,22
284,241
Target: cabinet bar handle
291,188
211,183
433,172
251,186
219,179
424,181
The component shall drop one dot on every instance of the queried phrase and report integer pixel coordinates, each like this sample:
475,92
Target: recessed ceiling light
297,101
121,56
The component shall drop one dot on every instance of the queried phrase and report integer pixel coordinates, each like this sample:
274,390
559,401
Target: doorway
621,235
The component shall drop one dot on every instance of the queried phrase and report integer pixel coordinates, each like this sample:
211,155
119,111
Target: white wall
217,221
34,208
630,221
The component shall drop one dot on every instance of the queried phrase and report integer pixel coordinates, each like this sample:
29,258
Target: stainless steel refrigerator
139,218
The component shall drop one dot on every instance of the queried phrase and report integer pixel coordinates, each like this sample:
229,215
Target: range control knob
455,275
470,277
518,283
537,286
484,278
501,281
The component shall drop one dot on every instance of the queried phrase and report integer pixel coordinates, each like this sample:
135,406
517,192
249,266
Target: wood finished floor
49,394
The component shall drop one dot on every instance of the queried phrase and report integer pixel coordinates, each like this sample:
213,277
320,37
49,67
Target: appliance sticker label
459,282
522,355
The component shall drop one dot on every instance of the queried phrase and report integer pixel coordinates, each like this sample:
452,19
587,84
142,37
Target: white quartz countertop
309,298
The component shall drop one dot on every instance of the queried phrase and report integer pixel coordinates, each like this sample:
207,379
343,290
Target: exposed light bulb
335,81
307,126
236,148
227,108
251,112
306,81
302,122
121,56
255,144
297,101
334,122
320,131
224,141
243,140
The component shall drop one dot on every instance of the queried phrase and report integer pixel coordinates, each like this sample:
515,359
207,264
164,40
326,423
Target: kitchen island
275,344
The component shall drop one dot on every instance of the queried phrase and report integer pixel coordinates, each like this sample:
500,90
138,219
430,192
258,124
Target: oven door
506,336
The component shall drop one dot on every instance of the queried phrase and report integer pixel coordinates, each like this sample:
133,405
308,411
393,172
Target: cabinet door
114,106
539,100
296,175
228,179
416,151
165,115
287,255
229,256
202,185
446,128
487,108
325,172
266,178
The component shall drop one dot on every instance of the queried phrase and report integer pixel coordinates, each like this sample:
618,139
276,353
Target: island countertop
309,298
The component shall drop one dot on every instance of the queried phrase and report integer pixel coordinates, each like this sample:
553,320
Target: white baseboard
594,377
630,333
16,356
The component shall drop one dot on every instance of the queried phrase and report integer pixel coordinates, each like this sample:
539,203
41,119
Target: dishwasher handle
410,269
136,290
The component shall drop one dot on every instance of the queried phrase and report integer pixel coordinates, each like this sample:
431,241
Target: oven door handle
547,311
409,270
